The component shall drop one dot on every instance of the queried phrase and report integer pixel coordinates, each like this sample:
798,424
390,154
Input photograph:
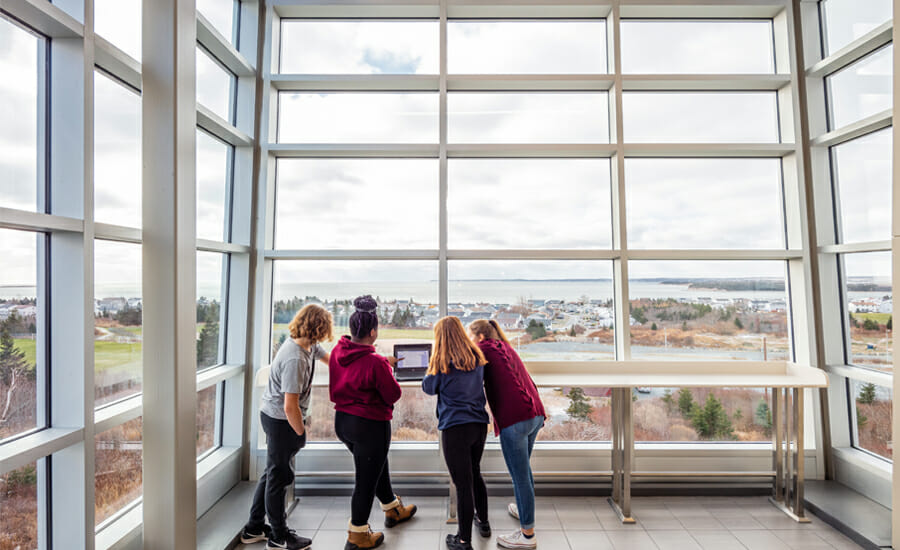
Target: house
508,320
111,306
538,318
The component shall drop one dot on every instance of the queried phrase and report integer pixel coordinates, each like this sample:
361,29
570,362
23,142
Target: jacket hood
347,352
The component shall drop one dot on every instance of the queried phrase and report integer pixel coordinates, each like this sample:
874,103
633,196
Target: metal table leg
789,482
622,454
797,500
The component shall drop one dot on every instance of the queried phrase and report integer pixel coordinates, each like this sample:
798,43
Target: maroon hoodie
510,391
361,382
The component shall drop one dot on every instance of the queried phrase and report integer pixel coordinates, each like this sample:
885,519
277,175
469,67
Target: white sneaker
517,539
513,510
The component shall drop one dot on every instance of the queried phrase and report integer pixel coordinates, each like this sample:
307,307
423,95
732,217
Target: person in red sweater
518,417
363,390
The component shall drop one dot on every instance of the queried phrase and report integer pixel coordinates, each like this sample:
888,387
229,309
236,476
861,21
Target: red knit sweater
510,391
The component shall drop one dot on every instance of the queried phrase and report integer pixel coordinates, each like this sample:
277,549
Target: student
283,412
518,417
456,376
363,389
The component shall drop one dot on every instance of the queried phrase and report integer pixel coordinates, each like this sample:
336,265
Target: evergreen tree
535,329
685,401
654,327
866,394
890,323
711,421
13,367
738,323
668,400
208,345
684,326
579,406
738,415
764,415
572,332
871,324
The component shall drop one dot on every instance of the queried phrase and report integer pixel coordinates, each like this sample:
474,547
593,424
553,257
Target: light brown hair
313,322
451,345
489,329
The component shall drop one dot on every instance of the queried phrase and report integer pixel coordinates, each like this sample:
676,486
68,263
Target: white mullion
11,218
120,233
205,245
857,129
728,82
622,304
443,223
221,128
526,82
284,254
895,280
45,17
731,254
118,413
852,248
730,150
538,255
214,375
356,83
531,150
222,49
854,51
35,446
351,150
867,375
117,63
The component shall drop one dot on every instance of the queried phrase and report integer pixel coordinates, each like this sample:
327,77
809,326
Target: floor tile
717,540
674,540
631,540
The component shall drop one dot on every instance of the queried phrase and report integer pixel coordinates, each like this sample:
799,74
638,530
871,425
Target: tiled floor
573,523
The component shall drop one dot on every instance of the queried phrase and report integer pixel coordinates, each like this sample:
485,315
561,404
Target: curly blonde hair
313,322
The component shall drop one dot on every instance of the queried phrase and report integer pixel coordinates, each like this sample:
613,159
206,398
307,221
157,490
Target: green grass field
29,347
881,318
386,333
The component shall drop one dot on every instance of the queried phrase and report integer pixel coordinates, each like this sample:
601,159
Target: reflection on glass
406,292
528,117
844,21
704,203
119,22
702,414
870,308
214,86
523,47
118,468
371,203
358,118
118,313
505,203
873,417
117,153
221,14
697,47
213,186
862,89
206,419
211,276
700,117
414,416
20,340
19,63
552,310
862,176
359,47
19,503
709,310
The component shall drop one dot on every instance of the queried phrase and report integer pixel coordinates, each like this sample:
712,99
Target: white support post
169,274
895,233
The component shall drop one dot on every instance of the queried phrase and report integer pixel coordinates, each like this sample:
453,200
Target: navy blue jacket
460,396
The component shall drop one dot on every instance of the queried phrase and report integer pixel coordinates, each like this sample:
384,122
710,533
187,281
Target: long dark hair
365,319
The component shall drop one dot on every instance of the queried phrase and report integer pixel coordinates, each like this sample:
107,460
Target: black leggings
369,441
282,444
463,446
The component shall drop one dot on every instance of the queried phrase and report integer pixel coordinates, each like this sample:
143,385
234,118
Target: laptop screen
412,358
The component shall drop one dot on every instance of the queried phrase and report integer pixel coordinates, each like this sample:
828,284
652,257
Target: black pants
463,446
282,443
369,441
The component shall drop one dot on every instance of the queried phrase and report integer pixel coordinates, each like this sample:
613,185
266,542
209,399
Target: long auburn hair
451,345
490,329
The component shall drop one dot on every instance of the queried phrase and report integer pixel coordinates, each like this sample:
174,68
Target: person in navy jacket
456,376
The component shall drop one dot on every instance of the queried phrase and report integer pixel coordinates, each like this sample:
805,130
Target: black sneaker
453,543
256,534
289,541
484,527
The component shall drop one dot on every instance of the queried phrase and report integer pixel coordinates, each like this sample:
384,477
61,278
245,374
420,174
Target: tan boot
396,512
359,538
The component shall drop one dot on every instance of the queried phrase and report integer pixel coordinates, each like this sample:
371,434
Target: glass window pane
117,153
359,47
527,216
528,117
702,414
211,277
697,47
206,419
119,22
371,203
19,503
414,417
593,423
862,176
846,20
118,469
873,418
704,203
700,117
870,309
214,86
862,89
20,339
213,187
20,164
511,47
708,310
551,310
358,118
221,13
406,292
117,321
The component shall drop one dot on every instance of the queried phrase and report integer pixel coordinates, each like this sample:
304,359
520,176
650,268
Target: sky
499,203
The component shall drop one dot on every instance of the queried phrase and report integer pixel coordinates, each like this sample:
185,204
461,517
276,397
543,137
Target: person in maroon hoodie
363,389
518,417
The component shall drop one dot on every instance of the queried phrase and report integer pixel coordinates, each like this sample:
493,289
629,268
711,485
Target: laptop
412,361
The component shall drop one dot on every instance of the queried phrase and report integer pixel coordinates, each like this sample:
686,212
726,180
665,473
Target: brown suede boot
359,538
396,512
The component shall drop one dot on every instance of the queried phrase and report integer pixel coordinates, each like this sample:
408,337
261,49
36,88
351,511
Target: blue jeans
517,441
